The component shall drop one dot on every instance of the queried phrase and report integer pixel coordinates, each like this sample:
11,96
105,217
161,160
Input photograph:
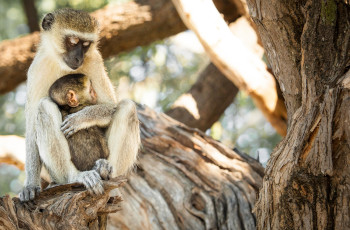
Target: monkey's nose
78,61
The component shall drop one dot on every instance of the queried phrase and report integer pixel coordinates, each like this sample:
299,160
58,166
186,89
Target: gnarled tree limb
67,206
187,180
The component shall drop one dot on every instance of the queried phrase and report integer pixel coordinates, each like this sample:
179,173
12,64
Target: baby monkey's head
73,90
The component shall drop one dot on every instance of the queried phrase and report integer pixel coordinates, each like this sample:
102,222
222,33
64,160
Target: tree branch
243,68
67,206
186,180
123,27
205,102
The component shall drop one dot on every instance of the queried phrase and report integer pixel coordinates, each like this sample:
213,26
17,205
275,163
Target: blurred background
154,75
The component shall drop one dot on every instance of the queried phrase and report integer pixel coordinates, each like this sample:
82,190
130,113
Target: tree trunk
186,180
31,14
307,182
67,206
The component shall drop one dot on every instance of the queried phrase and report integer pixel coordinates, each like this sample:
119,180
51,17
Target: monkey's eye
73,40
86,44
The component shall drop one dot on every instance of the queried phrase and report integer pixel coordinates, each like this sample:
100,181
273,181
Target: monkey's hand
73,123
29,192
104,168
92,181
94,115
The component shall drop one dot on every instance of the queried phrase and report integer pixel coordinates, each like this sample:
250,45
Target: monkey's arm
95,115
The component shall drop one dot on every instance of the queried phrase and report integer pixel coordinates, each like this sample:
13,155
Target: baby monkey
88,147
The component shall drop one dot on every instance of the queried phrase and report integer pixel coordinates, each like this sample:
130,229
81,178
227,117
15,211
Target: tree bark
307,182
31,14
186,180
238,63
67,206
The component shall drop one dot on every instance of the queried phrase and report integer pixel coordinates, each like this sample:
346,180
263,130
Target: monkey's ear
72,99
48,21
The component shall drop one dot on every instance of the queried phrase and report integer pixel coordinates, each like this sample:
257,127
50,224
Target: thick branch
241,66
207,99
187,180
67,206
123,27
212,93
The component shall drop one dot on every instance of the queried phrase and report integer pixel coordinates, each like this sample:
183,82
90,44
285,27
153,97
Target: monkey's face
69,35
76,49
87,96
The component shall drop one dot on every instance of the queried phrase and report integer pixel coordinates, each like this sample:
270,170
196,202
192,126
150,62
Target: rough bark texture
186,180
307,182
205,102
123,27
67,206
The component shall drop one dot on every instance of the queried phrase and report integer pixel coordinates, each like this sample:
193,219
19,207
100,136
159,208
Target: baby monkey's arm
95,115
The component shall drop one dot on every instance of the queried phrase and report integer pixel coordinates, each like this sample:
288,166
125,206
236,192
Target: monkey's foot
92,181
104,168
29,193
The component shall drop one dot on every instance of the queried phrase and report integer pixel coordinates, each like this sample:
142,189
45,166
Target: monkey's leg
54,150
123,137
32,168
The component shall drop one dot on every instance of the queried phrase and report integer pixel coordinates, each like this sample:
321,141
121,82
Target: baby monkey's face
85,96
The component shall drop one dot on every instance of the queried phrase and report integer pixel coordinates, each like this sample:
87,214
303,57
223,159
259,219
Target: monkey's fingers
98,188
24,195
68,131
29,193
93,183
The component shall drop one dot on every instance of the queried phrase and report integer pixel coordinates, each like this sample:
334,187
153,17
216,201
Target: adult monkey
69,45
